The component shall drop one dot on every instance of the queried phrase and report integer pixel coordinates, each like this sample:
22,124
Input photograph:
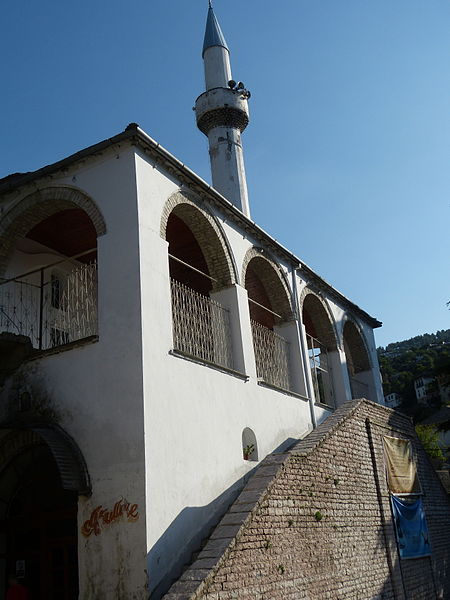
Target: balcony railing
51,307
271,356
318,362
201,326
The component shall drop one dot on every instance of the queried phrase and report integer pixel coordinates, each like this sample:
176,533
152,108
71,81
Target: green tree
429,437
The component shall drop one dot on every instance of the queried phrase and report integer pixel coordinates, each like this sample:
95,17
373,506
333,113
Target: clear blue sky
348,148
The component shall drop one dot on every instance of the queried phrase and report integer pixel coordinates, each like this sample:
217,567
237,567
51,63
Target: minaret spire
222,114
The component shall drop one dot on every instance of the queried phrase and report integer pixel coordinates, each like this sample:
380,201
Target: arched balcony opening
321,342
358,362
187,264
199,267
270,310
49,289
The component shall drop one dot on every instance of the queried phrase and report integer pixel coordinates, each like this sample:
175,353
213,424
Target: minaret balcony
222,107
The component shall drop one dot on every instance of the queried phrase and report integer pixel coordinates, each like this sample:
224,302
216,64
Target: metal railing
318,362
51,307
201,326
271,356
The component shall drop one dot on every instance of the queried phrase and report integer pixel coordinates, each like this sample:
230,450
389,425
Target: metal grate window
318,361
271,355
201,326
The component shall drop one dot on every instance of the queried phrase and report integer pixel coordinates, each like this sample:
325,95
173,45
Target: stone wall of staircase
315,523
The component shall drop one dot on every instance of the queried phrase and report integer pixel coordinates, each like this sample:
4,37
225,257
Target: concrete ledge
206,363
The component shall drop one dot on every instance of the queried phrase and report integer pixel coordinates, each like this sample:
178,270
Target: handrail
191,267
319,343
216,281
265,308
38,269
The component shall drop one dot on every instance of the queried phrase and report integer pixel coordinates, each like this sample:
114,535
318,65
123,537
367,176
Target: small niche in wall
249,445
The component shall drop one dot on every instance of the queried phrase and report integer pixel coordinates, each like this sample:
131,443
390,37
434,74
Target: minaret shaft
217,67
222,115
227,166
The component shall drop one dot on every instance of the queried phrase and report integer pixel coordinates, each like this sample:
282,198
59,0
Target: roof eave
134,134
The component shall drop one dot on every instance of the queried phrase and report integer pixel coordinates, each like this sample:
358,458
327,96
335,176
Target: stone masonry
315,523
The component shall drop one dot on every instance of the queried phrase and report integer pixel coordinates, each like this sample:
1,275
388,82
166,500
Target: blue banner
410,527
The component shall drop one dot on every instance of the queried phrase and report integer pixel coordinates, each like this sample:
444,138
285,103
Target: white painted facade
393,400
162,430
422,388
156,428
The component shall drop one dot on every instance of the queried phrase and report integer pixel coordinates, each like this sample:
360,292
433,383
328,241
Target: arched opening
187,262
269,309
358,362
199,267
49,289
249,445
321,341
39,525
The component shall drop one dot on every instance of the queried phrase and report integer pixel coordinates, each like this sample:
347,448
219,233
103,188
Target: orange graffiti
103,516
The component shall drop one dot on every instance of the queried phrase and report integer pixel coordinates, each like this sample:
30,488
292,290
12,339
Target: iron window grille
271,356
201,326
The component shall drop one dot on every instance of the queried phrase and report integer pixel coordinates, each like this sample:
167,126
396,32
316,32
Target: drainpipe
304,351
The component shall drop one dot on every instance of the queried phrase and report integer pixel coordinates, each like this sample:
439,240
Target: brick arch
355,347
273,280
321,316
68,458
36,207
208,234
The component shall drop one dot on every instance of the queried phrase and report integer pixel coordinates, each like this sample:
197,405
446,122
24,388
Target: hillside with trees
419,341
403,362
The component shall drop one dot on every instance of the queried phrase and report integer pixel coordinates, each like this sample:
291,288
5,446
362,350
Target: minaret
222,114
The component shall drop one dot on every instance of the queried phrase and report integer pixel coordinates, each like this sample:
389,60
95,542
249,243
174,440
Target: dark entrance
40,528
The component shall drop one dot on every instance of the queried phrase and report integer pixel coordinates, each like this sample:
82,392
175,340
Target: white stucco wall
96,390
194,414
156,429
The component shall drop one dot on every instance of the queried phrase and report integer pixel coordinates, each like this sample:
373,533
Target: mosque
155,346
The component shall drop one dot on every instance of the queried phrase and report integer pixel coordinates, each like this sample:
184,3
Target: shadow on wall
184,536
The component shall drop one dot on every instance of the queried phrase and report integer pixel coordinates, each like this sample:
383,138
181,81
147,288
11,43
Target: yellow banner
400,468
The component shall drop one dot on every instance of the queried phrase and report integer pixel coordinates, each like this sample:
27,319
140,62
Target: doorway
40,526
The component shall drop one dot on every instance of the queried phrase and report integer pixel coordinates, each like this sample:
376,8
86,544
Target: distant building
393,400
425,388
